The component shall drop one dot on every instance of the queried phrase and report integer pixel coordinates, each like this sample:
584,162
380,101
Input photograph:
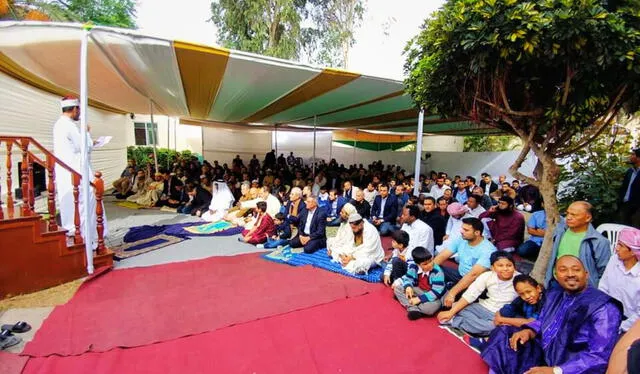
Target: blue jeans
274,243
386,228
528,249
185,209
334,223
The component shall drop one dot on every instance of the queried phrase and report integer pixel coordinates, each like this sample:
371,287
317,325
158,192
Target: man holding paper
67,142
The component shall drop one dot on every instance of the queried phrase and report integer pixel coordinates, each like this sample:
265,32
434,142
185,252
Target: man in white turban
221,201
67,142
364,251
345,234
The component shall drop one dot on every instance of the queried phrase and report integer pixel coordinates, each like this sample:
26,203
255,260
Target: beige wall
27,111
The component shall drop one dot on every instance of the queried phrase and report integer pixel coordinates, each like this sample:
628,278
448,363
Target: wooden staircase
35,253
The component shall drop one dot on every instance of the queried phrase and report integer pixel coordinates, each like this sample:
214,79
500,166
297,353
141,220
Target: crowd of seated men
454,249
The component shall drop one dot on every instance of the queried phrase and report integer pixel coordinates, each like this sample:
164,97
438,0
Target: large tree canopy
118,13
321,30
553,72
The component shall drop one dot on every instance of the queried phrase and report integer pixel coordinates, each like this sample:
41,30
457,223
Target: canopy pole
331,148
315,122
276,140
175,133
355,146
416,180
84,201
169,143
153,132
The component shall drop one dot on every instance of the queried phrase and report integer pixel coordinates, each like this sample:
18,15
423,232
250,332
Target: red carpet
366,334
134,307
11,363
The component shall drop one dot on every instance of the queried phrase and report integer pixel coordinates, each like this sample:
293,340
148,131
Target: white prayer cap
69,102
355,218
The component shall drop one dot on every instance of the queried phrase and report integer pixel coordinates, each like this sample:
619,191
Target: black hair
471,179
429,198
476,197
421,255
524,278
507,200
497,255
636,152
414,211
475,223
262,205
401,237
280,216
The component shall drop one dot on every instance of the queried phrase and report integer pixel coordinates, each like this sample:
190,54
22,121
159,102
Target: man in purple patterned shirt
575,333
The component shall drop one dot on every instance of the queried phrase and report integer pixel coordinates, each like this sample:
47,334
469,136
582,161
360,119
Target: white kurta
420,235
221,201
273,205
67,148
367,254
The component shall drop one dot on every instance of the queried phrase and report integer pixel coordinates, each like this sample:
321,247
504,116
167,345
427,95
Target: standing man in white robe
67,142
364,251
221,201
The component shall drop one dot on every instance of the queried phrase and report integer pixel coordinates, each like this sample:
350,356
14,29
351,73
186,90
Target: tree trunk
548,174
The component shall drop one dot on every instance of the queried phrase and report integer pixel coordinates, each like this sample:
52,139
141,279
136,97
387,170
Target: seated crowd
454,251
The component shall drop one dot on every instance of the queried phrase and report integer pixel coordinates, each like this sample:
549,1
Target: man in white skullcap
67,142
364,251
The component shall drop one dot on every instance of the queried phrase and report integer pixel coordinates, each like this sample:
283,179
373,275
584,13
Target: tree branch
514,169
503,93
533,113
567,85
611,112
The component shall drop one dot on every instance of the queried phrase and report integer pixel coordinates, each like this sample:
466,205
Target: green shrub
166,157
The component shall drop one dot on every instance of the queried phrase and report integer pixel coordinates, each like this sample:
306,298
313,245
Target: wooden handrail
32,141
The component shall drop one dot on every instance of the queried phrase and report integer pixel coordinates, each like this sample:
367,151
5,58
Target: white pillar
84,162
276,141
155,139
416,188
313,173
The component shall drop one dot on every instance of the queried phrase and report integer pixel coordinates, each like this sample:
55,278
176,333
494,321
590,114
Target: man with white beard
67,141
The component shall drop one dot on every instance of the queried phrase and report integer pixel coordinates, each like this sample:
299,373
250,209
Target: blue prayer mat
139,247
320,259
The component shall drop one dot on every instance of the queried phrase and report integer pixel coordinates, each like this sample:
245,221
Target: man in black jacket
487,184
432,217
311,228
629,198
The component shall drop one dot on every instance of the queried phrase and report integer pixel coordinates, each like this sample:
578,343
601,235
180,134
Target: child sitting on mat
477,318
282,235
262,229
420,291
396,267
521,311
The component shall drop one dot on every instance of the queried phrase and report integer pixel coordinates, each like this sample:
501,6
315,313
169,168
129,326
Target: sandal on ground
19,327
9,341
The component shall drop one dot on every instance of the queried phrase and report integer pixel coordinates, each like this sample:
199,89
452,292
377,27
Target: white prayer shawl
345,234
221,200
67,148
273,205
367,255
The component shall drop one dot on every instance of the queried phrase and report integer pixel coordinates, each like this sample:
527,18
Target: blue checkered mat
321,260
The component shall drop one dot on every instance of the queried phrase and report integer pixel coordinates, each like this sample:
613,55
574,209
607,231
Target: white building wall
27,111
442,143
172,134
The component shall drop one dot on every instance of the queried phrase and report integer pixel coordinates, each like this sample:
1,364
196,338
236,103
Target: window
144,133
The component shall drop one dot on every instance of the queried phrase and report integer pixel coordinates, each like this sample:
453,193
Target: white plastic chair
611,231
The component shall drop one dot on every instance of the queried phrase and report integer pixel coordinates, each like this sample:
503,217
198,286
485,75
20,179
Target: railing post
51,195
10,205
24,144
1,211
77,236
32,192
99,183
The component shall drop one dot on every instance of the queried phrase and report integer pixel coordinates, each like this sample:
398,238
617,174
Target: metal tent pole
276,140
153,132
84,201
355,146
168,142
416,180
315,123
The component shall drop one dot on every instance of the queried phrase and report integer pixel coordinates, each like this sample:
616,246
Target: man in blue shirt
474,255
535,227
629,198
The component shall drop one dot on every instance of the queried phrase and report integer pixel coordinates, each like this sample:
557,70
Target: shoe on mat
476,343
414,315
260,246
19,327
9,341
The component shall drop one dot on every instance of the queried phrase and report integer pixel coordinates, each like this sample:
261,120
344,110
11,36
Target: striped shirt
436,281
